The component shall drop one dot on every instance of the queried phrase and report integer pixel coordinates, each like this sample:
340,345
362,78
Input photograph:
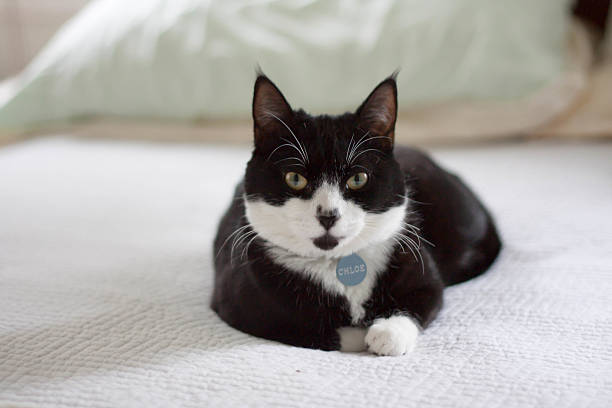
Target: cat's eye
356,181
295,180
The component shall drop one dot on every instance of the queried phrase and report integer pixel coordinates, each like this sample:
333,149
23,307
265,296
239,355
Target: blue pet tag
351,270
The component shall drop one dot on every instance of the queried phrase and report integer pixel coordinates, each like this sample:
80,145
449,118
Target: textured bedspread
105,278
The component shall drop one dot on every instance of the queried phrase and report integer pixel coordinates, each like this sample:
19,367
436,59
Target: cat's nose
327,218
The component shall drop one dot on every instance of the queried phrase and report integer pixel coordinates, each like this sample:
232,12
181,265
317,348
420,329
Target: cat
326,199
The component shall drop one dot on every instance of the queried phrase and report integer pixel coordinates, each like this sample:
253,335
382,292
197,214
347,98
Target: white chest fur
323,271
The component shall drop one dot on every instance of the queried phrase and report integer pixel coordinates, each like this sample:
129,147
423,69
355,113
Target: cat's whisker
406,241
415,244
353,156
412,199
348,149
298,148
304,152
365,151
411,229
399,243
238,240
230,236
355,146
351,150
414,227
414,248
245,251
290,158
233,258
417,249
406,227
363,141
283,145
370,138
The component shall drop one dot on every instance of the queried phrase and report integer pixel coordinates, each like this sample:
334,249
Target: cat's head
324,185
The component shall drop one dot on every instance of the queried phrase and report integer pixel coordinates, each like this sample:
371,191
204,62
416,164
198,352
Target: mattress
106,275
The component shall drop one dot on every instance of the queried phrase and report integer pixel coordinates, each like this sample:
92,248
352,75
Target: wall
26,26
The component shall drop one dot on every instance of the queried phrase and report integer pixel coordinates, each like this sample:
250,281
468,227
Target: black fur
257,296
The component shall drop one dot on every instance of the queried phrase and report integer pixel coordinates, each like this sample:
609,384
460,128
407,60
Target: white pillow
191,59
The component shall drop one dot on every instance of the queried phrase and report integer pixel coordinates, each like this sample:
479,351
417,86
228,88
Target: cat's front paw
392,336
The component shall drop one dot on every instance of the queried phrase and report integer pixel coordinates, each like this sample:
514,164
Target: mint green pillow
188,59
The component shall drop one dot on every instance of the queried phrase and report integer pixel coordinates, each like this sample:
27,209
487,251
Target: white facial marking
290,229
294,225
392,336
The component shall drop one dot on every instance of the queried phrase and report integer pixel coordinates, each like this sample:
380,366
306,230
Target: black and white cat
320,189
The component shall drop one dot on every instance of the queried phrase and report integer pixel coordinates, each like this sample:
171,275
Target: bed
106,274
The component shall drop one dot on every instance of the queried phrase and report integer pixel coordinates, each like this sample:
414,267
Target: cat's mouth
326,241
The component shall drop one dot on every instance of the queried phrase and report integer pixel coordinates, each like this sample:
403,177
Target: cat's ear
378,113
270,109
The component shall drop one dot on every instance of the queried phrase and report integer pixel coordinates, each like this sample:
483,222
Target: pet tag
351,270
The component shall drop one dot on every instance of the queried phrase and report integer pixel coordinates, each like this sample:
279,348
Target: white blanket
105,279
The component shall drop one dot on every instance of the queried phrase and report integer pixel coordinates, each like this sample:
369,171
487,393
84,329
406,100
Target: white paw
393,336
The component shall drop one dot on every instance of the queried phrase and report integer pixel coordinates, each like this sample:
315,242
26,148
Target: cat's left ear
378,113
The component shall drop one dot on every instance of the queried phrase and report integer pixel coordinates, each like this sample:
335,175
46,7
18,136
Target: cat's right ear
271,111
378,112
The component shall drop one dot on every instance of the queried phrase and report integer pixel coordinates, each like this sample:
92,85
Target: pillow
194,59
